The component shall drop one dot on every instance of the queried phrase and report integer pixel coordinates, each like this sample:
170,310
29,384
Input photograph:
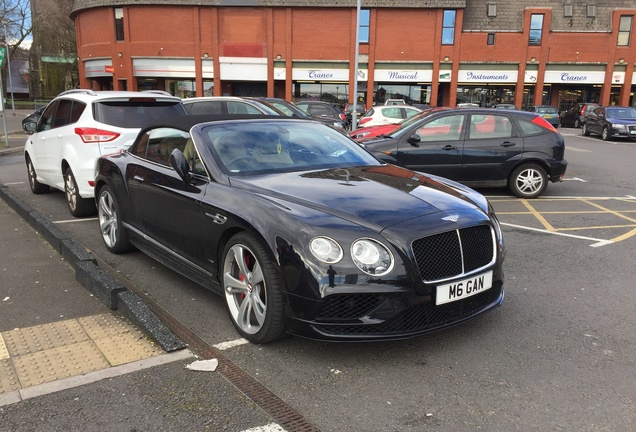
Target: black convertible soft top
186,122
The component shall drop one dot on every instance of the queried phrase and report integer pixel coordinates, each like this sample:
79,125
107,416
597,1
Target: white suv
76,128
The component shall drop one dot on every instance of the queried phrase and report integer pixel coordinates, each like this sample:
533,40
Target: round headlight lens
371,257
326,249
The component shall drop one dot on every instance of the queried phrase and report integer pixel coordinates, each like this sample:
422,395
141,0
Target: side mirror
179,163
29,127
414,140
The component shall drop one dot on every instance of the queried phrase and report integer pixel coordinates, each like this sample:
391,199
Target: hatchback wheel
577,123
252,288
36,186
605,134
77,205
585,130
113,232
528,181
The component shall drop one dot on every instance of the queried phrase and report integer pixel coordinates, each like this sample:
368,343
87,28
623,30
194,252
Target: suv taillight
582,110
540,121
93,135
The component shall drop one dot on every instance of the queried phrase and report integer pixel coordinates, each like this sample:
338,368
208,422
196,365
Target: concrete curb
97,281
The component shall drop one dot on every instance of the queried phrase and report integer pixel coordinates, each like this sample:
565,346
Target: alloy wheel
107,214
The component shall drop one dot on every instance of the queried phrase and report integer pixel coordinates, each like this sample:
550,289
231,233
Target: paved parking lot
599,221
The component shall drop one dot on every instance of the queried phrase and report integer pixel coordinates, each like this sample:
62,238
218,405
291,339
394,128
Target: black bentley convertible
301,230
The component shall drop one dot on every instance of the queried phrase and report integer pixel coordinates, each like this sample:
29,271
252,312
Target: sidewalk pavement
70,361
16,136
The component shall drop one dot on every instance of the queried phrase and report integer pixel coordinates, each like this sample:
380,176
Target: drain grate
285,415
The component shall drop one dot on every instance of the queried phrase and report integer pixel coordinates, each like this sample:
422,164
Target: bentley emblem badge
452,218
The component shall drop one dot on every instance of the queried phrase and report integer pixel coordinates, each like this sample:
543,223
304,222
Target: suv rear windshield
135,114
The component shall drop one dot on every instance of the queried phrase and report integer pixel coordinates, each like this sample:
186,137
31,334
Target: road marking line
574,179
576,149
632,233
272,427
537,215
596,227
615,213
230,344
600,242
75,220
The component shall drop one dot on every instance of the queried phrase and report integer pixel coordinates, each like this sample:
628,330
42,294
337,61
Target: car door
168,210
594,121
433,145
48,145
491,148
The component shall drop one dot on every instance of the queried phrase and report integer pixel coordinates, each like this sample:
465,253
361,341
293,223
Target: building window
536,29
448,27
568,11
365,20
625,30
119,24
492,10
491,38
591,11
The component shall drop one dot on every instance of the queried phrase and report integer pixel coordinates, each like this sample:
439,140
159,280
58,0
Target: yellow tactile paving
49,352
4,352
57,363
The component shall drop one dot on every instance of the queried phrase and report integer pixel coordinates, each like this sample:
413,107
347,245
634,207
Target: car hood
625,121
374,196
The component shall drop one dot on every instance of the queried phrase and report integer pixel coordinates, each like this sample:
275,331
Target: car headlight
619,127
326,250
372,257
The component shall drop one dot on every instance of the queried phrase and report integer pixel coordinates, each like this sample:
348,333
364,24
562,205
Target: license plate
464,288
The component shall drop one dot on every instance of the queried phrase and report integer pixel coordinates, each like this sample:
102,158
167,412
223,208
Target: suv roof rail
84,91
161,92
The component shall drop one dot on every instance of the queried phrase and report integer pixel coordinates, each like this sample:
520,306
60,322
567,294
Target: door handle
508,144
138,178
449,147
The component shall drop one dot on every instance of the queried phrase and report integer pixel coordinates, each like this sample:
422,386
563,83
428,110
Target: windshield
622,113
135,114
258,147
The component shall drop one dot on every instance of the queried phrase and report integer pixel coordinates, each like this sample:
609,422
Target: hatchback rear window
135,114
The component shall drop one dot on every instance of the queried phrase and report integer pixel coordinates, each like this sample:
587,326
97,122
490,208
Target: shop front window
486,96
336,93
411,94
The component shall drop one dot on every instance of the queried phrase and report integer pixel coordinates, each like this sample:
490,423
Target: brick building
437,52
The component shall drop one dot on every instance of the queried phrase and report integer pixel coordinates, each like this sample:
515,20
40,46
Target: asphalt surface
46,299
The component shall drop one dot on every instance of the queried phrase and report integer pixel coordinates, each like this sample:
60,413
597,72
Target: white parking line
272,427
75,220
599,242
576,149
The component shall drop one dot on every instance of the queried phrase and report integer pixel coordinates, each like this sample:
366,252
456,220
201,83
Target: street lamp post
9,82
354,113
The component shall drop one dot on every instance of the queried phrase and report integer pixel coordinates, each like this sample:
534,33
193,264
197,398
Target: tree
15,18
54,49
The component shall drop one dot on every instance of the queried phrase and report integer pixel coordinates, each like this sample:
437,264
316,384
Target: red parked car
366,133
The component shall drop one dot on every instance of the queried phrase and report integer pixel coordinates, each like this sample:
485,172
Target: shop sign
574,77
388,75
487,76
99,68
243,68
320,74
164,68
618,77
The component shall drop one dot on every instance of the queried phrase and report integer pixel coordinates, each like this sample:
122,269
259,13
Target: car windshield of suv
249,148
621,113
135,114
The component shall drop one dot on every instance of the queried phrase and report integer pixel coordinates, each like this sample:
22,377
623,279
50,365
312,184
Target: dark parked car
611,122
575,116
323,110
479,147
301,230
550,113
360,110
291,110
227,105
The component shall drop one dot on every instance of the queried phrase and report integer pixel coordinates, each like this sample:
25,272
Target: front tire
113,232
252,288
605,136
36,187
577,123
77,205
528,181
585,131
